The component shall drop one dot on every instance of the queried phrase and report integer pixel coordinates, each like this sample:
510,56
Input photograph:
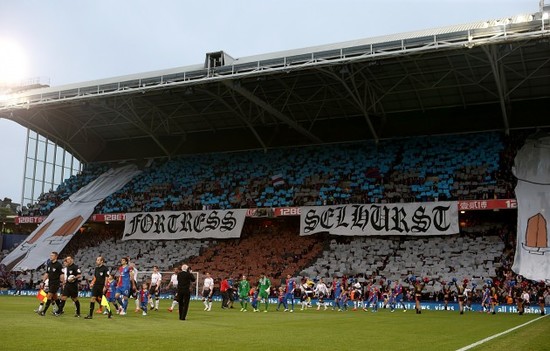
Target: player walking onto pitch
264,288
337,292
173,288
321,291
371,297
136,286
207,291
154,288
397,296
253,293
281,301
125,283
243,290
290,287
110,291
143,296
356,294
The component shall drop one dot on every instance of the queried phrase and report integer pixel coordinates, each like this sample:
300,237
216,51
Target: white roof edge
291,52
390,37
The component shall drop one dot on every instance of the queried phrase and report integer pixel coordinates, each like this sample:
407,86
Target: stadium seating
439,258
275,250
407,170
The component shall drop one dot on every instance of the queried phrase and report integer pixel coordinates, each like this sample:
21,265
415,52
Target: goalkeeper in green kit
264,289
244,289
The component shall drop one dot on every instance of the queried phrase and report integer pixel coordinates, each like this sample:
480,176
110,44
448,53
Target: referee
54,271
98,285
70,288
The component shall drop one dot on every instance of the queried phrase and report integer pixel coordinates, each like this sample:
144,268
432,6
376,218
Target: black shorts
97,291
54,287
174,292
153,291
206,294
70,290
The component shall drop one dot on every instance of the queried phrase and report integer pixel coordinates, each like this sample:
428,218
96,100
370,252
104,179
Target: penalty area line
477,343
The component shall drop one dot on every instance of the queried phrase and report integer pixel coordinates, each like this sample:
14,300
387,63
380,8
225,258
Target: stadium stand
265,247
408,170
439,258
472,166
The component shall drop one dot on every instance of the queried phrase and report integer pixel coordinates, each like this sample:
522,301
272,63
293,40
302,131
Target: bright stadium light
13,63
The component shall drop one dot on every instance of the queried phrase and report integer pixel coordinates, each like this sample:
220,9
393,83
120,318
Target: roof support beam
500,80
239,114
354,94
132,118
271,110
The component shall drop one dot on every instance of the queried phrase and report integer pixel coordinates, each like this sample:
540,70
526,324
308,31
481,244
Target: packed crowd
473,166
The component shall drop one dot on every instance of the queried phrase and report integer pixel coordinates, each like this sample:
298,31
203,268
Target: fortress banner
173,225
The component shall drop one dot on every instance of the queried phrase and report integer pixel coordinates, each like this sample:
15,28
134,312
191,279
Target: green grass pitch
22,329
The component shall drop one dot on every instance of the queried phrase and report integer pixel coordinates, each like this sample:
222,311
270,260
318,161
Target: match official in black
185,278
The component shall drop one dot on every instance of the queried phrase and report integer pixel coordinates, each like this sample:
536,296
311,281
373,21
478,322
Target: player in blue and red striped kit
290,286
125,283
110,291
143,296
281,298
397,296
337,292
372,292
254,299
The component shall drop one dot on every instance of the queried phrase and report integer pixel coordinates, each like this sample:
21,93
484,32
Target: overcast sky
68,41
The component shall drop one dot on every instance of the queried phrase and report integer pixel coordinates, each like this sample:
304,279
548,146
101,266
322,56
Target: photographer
185,278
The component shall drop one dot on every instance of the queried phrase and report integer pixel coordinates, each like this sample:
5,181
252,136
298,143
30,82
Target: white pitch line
477,343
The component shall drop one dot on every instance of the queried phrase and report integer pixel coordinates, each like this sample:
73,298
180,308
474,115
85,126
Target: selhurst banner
173,225
430,218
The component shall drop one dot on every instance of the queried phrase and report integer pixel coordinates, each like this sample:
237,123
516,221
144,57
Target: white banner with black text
55,232
173,225
430,218
532,169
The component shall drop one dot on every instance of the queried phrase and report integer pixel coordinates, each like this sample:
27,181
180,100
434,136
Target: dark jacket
184,281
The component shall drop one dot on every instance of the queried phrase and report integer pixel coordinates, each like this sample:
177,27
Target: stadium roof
482,76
